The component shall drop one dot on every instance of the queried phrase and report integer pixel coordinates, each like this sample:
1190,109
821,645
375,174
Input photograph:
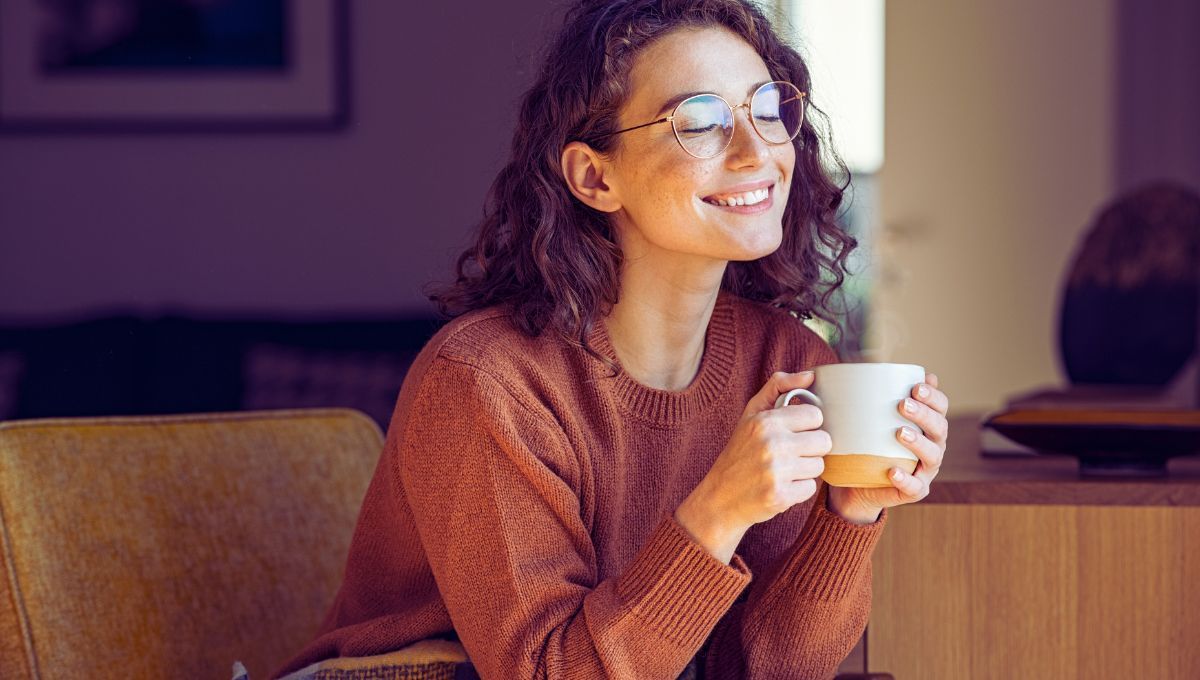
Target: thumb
779,383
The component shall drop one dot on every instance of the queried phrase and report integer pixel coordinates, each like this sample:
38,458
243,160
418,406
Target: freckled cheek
788,166
682,191
781,195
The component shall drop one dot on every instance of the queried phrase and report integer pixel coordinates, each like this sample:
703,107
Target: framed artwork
173,65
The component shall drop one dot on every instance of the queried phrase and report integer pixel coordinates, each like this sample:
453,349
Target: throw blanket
424,660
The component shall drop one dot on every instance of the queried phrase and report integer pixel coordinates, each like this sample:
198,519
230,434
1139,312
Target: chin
747,250
751,256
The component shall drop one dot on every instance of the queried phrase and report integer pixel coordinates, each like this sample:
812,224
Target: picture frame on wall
173,65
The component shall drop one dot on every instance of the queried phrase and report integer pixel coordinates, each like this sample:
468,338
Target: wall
999,149
1006,130
1158,92
290,224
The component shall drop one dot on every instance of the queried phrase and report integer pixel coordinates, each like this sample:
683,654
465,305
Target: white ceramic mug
860,404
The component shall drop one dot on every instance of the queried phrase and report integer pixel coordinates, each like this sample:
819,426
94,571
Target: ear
585,172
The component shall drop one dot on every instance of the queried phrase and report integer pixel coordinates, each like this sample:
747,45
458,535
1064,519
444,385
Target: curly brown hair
555,260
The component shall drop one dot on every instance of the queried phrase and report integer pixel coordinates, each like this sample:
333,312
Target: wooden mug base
862,470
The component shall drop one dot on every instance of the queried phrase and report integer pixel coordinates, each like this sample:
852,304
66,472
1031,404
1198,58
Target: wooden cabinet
1017,568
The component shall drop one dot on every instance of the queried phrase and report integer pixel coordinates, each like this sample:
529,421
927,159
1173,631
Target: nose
746,148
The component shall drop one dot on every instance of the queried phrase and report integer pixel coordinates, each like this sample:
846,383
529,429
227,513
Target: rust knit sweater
524,503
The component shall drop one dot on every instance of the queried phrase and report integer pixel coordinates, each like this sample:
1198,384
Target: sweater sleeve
494,489
805,614
807,609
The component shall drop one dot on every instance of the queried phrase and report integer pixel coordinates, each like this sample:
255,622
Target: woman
584,469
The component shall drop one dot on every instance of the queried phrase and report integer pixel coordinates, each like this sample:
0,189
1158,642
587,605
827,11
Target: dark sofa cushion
87,368
282,376
12,364
174,364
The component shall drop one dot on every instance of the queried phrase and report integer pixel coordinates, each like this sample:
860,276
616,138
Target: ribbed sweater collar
665,407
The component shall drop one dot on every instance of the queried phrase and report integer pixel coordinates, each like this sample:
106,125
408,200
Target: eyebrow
674,101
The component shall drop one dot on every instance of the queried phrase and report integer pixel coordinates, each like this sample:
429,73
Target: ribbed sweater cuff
831,552
678,588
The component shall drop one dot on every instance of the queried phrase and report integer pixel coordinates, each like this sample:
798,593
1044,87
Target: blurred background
216,205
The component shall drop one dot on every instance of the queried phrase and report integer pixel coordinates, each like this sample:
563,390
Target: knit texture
524,505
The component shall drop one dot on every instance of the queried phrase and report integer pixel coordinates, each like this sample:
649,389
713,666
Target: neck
658,327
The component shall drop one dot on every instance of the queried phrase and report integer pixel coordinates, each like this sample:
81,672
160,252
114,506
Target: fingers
803,489
912,488
932,423
777,384
812,443
931,396
790,493
792,430
928,452
789,480
797,417
806,467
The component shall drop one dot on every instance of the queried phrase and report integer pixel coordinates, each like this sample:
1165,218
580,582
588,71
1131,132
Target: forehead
708,59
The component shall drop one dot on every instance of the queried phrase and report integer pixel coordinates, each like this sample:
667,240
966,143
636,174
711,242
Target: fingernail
922,391
907,434
909,406
897,474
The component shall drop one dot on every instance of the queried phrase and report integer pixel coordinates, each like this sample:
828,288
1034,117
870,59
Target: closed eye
701,130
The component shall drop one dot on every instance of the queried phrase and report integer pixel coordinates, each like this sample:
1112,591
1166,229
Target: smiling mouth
746,202
744,198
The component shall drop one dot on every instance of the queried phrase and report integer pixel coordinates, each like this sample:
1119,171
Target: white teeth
748,198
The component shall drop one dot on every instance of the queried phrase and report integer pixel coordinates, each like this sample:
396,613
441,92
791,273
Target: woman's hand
930,407
772,462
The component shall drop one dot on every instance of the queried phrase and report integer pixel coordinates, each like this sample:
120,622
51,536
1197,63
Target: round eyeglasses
703,123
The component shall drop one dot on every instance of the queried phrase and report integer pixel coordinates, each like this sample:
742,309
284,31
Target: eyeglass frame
732,114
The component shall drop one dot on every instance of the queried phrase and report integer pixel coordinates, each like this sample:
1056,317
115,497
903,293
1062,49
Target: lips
748,198
746,191
761,202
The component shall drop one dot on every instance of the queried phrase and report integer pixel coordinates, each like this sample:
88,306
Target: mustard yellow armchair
171,546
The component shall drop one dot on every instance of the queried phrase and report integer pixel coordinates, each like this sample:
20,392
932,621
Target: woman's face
668,197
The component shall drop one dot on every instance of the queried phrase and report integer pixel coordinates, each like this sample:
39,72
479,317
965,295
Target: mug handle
799,392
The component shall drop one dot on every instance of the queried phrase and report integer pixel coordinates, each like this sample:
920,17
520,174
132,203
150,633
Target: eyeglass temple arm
636,127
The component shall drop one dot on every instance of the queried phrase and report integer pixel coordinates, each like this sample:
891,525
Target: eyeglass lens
704,123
